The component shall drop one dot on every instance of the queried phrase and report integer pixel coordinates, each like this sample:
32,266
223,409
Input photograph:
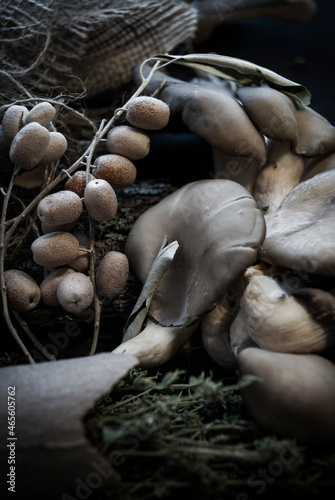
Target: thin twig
85,158
36,342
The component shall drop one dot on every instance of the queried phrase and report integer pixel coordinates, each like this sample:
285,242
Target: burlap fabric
84,45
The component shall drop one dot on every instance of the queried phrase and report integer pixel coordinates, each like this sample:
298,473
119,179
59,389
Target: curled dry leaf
53,456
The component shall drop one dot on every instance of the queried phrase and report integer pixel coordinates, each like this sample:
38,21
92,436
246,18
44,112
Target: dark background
300,51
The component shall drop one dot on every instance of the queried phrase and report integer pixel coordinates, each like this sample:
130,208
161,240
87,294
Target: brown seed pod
55,249
112,274
75,292
12,121
100,200
29,146
23,293
148,113
77,183
81,262
43,113
128,141
117,170
50,283
56,148
60,208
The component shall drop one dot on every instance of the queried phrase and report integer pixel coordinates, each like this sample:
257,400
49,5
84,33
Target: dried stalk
3,248
40,347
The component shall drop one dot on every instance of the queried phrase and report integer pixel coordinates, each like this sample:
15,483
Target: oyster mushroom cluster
254,263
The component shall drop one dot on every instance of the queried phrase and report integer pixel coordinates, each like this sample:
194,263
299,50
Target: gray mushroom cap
294,396
300,235
218,228
271,111
213,115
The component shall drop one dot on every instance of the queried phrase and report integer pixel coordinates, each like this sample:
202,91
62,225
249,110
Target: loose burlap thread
84,46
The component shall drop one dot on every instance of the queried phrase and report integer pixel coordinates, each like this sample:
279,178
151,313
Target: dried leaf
159,267
240,70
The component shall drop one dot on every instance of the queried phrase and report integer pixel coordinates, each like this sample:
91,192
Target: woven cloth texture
86,45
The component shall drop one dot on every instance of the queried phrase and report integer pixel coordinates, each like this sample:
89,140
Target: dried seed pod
148,113
100,200
81,262
60,208
12,121
75,292
55,249
77,183
23,293
56,148
50,283
117,170
128,141
29,146
43,113
112,274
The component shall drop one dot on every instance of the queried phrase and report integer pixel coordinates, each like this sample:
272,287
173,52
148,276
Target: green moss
169,438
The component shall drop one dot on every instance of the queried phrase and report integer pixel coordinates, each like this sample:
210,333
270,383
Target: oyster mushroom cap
218,228
316,134
271,111
213,115
278,321
300,234
295,396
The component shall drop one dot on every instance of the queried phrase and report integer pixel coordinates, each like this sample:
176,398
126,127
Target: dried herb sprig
168,437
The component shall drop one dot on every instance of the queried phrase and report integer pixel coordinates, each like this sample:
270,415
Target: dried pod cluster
62,247
126,143
29,136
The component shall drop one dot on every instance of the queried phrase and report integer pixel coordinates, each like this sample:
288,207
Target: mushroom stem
156,344
241,169
280,174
